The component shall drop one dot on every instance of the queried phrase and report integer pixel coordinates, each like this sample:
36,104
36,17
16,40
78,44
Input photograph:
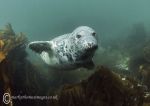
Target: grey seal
69,51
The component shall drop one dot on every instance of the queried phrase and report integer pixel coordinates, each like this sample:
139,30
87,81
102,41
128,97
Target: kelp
103,88
9,40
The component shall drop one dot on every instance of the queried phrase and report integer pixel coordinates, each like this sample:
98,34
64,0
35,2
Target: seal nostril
95,47
91,46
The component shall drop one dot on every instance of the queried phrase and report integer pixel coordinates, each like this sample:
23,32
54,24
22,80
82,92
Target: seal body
68,51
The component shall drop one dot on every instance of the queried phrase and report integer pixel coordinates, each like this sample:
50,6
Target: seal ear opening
39,46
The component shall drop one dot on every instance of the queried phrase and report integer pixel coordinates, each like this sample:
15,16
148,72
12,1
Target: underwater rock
146,99
144,71
103,88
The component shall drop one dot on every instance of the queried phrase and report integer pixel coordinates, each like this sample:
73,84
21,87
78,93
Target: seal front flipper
89,64
43,48
40,46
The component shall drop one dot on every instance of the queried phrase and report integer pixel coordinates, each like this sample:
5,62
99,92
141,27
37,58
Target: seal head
85,41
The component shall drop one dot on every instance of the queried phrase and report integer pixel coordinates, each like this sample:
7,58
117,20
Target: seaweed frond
9,40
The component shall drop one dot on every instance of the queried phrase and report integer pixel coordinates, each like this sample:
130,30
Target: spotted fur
69,51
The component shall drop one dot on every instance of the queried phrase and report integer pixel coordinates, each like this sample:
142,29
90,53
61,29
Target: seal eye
94,34
78,36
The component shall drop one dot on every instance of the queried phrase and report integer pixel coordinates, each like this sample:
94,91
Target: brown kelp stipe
8,42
